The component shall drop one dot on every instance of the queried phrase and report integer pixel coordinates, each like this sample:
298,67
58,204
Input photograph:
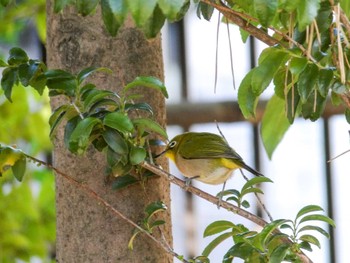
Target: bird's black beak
160,154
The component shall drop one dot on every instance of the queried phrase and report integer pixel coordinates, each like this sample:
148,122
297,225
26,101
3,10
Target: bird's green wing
206,146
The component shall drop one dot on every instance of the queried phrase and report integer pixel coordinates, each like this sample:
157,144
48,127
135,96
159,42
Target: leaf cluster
238,196
108,121
150,221
270,244
149,16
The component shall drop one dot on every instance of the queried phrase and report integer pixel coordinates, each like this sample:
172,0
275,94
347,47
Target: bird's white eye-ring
172,144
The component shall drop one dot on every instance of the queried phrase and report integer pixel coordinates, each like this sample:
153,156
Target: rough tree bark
86,232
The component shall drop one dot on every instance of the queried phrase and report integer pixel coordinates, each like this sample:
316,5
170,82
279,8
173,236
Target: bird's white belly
203,171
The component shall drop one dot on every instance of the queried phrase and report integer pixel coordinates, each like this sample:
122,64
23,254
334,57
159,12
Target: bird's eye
172,144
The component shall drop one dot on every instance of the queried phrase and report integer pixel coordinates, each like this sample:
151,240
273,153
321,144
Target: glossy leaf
306,12
61,81
205,10
141,10
274,116
256,180
154,208
108,104
60,4
154,24
79,139
322,218
143,106
308,209
83,74
324,81
118,121
116,142
56,117
149,82
217,227
214,243
314,106
96,96
19,168
17,56
314,228
265,10
137,155
123,181
307,81
85,7
9,156
247,99
279,253
311,239
113,14
172,9
267,231
8,80
150,126
293,109
269,62
297,65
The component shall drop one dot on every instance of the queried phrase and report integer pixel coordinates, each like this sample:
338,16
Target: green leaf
123,181
8,80
173,9
113,14
297,65
109,104
307,81
149,82
308,209
131,241
214,243
3,63
85,7
311,239
116,142
347,115
269,62
17,56
314,228
247,99
313,108
217,227
19,168
61,81
154,208
56,117
150,126
322,218
86,72
60,4
139,106
118,121
95,96
279,253
265,10
79,139
205,10
251,190
293,109
274,116
305,245
137,155
246,204
324,81
306,13
141,10
154,24
267,231
69,128
256,180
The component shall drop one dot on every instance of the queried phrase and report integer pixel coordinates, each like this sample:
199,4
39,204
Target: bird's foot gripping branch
114,124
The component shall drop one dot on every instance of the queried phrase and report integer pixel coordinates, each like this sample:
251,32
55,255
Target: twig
94,195
210,198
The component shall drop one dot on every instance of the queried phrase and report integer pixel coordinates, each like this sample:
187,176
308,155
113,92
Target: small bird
206,157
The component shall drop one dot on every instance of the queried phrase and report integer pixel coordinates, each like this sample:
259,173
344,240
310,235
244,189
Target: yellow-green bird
205,156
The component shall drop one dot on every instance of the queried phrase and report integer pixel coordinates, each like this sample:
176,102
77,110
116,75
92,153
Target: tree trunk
86,231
